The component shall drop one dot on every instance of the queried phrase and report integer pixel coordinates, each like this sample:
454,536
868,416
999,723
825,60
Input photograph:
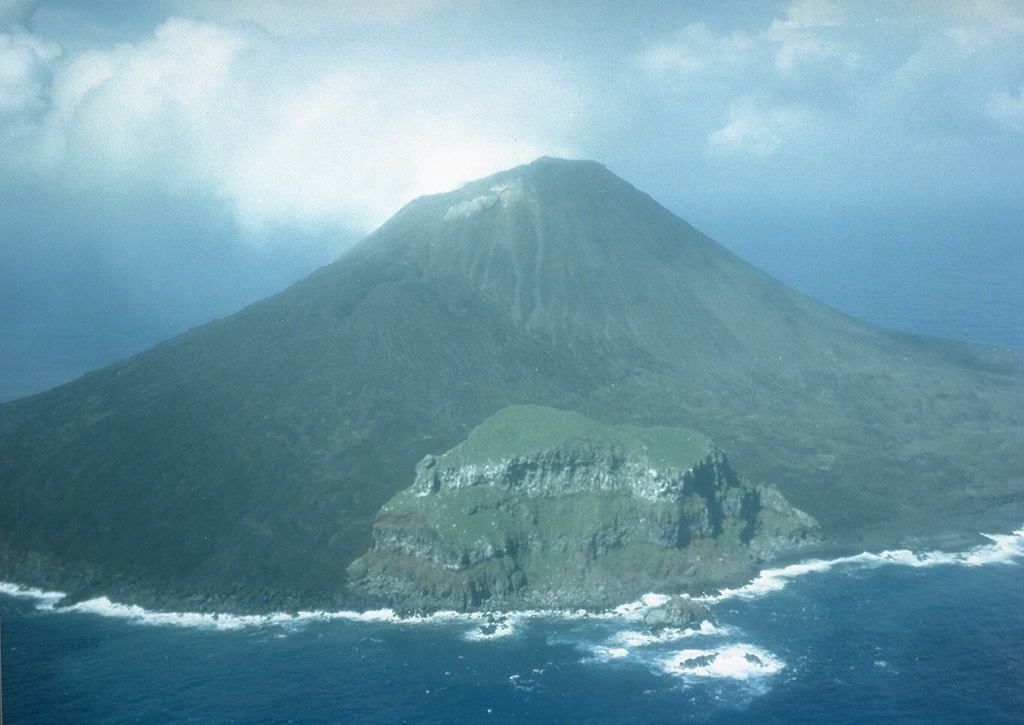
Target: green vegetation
583,533
522,430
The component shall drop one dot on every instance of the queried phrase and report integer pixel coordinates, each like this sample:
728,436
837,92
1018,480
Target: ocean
907,637
891,637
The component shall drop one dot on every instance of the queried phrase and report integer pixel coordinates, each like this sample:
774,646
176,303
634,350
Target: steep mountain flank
547,508
242,463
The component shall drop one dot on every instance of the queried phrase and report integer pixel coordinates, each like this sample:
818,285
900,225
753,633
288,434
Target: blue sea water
896,637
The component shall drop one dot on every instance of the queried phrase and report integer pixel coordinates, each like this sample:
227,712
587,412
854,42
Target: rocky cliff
547,508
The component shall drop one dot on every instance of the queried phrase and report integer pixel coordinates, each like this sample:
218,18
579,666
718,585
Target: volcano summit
241,465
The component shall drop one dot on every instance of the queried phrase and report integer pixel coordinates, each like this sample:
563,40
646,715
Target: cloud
147,114
24,76
1007,109
15,13
845,80
757,131
981,24
809,15
695,50
333,115
229,112
963,37
299,19
810,37
353,144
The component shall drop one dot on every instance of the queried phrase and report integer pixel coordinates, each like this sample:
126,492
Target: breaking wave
1002,549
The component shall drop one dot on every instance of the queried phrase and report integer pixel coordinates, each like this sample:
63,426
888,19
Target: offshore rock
546,508
677,612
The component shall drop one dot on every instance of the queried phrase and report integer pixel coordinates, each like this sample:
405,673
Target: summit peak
538,173
541,236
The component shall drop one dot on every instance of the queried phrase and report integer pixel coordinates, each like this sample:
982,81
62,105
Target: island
245,465
547,508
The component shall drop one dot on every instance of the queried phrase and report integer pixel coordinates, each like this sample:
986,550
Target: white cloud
808,15
878,76
1008,109
342,128
756,131
810,37
155,112
355,144
203,108
955,35
982,23
695,50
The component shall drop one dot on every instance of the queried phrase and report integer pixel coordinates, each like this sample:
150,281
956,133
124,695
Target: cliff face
598,516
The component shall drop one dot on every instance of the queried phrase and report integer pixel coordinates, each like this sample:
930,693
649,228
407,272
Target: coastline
999,549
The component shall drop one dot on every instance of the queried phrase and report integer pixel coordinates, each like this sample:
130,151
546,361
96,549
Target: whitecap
372,615
1004,549
737,661
771,580
637,609
103,606
45,599
604,654
490,626
632,638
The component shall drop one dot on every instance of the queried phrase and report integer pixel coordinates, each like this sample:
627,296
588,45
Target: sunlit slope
250,455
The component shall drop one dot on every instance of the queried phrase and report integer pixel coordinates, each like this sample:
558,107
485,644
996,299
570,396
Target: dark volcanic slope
249,456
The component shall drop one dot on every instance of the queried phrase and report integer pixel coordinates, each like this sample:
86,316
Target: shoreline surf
1002,549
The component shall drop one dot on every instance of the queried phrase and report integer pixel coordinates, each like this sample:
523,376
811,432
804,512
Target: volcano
240,465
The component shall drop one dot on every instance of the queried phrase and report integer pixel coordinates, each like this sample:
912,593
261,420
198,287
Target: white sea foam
103,606
491,626
632,638
736,661
1004,549
601,653
718,657
200,620
483,625
724,659
635,611
46,600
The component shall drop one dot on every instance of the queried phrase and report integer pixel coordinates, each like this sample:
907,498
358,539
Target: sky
164,163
